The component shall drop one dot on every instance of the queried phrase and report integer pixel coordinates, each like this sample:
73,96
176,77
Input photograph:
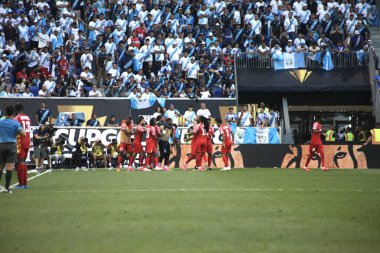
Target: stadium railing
340,60
374,85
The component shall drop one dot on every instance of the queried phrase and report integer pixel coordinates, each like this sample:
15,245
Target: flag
161,101
315,57
143,104
290,61
257,135
327,61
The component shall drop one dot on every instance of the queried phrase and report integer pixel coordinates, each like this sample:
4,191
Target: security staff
349,136
330,134
9,128
362,136
374,135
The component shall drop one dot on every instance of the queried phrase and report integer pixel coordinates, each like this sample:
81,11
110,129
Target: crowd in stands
179,48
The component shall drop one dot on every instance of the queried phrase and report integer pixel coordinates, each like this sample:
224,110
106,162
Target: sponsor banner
245,156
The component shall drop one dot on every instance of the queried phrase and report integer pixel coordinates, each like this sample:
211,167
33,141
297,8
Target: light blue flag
161,101
315,57
327,61
290,61
257,135
138,104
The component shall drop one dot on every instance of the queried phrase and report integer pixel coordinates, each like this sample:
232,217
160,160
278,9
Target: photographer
56,153
80,155
40,137
98,154
112,153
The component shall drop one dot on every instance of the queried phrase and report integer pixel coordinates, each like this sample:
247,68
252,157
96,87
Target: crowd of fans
171,48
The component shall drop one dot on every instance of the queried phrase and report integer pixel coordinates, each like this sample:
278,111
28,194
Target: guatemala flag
257,135
290,61
327,61
143,104
315,57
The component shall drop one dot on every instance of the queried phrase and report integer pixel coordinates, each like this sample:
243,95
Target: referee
9,128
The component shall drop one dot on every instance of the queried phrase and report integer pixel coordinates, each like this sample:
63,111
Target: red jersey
24,120
225,131
140,31
135,42
151,133
316,136
200,133
139,134
63,66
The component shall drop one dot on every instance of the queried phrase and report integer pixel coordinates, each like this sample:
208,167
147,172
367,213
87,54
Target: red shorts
201,146
125,148
226,149
209,147
137,147
151,147
315,147
22,153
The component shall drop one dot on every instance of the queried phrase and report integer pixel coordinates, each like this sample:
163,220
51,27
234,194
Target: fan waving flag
327,61
257,135
290,61
143,104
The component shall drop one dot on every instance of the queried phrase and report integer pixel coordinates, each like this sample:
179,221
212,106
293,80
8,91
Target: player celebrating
316,145
137,146
152,131
209,144
225,132
125,147
201,131
23,144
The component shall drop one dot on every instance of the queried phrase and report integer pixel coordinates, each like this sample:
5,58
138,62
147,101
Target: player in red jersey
201,131
23,144
209,144
316,145
152,132
137,146
226,133
125,147
193,138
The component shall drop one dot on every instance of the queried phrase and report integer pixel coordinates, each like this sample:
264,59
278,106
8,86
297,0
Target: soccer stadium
189,126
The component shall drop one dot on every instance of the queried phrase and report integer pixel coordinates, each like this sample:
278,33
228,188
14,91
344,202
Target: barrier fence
340,60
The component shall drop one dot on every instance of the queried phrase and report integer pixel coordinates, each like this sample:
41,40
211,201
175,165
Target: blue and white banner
256,135
143,104
289,61
327,61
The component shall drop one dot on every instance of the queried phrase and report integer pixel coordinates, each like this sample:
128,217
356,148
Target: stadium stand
174,48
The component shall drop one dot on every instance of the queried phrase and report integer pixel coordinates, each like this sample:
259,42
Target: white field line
38,175
211,190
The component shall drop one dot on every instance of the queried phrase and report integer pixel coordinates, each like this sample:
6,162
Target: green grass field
251,210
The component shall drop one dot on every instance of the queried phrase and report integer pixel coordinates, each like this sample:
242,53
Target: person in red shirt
125,147
316,145
22,74
63,65
23,144
141,31
152,131
193,144
201,131
137,146
134,41
209,144
226,133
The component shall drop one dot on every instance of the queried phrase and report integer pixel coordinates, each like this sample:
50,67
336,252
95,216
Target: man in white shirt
86,59
44,92
291,25
244,117
192,69
94,92
362,8
203,111
87,77
43,39
49,84
173,114
189,116
5,66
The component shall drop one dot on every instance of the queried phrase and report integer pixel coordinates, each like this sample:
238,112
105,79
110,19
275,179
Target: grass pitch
251,210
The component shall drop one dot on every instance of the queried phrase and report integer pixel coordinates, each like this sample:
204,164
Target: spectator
244,117
231,117
74,121
94,92
93,122
203,111
27,93
112,122
172,114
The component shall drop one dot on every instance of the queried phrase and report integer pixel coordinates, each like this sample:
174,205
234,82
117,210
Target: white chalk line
208,190
29,179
